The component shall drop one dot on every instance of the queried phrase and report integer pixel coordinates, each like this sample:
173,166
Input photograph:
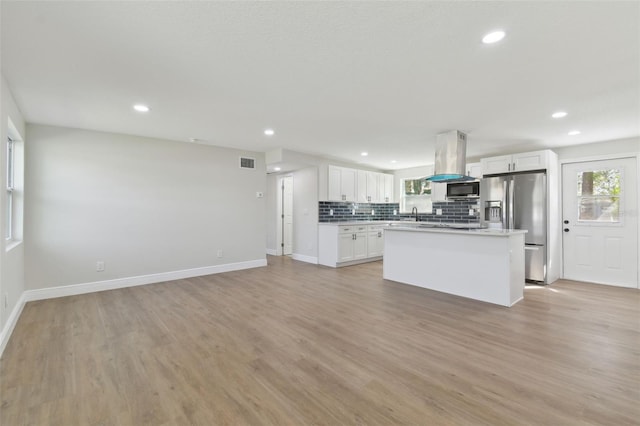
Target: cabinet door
438,192
334,188
493,165
360,246
536,160
387,196
372,187
345,247
474,170
362,186
375,243
349,180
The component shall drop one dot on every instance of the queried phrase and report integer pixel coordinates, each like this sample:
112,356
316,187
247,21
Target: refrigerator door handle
511,204
505,196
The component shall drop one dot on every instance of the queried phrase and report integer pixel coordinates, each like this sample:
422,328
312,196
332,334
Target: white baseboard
272,252
305,258
6,331
72,290
92,287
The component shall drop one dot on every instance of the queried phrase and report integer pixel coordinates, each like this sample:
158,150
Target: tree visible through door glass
599,195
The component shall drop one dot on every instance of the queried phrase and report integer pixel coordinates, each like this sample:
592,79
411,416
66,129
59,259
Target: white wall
143,206
608,148
11,261
305,214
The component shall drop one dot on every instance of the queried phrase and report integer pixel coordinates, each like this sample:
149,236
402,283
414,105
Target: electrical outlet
220,253
330,212
471,212
439,212
373,212
100,266
353,211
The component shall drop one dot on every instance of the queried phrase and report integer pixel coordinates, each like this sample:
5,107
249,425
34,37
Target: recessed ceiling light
193,139
141,108
364,154
393,161
269,132
574,132
277,169
493,37
559,114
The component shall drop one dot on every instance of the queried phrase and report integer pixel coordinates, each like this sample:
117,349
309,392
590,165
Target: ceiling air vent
247,163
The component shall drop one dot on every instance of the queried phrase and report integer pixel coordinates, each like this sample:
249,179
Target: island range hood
451,158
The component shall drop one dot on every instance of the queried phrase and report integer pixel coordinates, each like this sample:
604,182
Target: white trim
5,333
272,252
305,258
74,289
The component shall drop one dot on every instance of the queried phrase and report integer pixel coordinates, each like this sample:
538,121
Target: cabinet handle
509,168
514,167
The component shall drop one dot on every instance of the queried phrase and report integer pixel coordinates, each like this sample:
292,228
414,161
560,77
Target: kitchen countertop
407,223
459,230
446,228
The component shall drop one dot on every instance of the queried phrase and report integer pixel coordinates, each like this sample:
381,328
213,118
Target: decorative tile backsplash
452,211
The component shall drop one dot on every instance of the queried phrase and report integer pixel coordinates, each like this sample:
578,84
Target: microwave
470,189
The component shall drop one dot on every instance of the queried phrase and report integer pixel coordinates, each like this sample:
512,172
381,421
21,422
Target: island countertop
458,230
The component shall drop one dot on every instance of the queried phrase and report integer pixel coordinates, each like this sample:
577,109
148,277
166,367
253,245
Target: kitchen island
481,264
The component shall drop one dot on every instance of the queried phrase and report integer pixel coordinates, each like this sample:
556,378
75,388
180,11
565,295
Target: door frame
280,212
603,157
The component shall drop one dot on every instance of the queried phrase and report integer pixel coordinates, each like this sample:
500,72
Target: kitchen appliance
464,190
519,201
450,158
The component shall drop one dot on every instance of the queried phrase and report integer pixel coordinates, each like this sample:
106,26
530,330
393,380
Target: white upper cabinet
387,188
361,186
474,170
342,184
536,160
501,164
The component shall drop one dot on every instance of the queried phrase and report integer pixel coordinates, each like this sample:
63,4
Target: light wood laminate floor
296,344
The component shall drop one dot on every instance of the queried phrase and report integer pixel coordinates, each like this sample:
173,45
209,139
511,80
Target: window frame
10,187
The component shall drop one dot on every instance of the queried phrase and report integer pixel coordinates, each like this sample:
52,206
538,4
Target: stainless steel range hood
451,158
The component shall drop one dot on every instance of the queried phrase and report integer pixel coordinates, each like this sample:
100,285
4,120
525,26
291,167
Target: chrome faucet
414,212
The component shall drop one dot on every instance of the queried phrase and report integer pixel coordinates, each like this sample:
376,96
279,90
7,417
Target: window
416,193
10,187
599,196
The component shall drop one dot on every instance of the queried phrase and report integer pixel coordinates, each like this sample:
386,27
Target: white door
600,221
287,215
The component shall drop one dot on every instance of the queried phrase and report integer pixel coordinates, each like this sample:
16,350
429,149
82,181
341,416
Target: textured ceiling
332,78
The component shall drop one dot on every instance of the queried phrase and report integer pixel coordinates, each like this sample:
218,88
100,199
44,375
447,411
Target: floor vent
247,163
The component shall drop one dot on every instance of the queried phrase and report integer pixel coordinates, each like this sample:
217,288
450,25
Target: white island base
479,264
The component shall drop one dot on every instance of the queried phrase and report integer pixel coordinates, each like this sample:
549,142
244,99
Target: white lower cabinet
342,245
375,243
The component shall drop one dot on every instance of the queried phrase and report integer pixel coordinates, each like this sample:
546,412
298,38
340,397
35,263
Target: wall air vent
247,163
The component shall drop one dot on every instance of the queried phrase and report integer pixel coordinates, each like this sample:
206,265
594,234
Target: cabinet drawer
346,229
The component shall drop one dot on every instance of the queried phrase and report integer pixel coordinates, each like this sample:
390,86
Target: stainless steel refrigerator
519,201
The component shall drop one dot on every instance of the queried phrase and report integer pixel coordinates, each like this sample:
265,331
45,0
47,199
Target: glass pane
599,182
416,187
599,209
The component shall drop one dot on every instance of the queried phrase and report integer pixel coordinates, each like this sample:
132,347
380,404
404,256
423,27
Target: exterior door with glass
600,222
